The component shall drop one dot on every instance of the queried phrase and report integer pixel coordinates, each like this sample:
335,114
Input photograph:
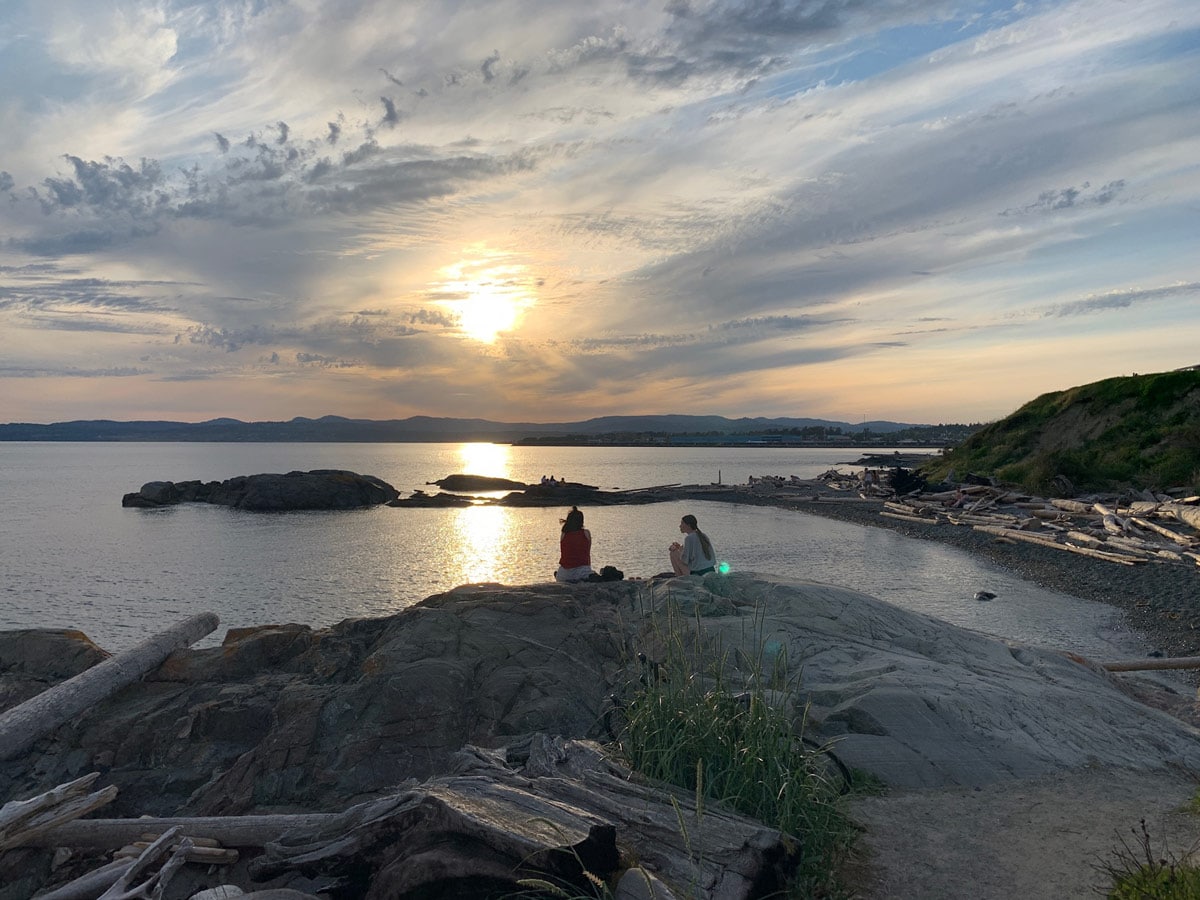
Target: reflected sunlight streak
484,543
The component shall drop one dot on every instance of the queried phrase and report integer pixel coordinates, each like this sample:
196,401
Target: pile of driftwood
1129,531
560,815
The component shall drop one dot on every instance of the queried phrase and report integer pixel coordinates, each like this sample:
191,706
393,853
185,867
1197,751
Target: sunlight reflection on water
72,557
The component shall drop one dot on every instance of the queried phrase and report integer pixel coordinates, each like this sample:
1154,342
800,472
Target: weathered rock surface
288,719
32,660
478,483
317,489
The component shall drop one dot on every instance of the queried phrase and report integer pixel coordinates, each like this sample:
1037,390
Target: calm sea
71,556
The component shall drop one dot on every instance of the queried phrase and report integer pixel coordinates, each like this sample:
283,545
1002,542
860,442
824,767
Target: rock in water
318,489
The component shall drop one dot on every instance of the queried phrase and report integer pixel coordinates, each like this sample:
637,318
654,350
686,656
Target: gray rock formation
317,489
287,719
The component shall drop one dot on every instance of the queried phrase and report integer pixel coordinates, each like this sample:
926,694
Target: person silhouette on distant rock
574,549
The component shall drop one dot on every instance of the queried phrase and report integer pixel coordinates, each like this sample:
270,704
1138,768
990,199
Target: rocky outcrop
32,660
290,719
462,483
317,489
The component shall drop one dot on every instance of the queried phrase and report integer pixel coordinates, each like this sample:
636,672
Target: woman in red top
574,549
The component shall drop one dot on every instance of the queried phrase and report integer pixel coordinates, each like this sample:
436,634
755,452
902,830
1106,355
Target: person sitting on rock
695,556
575,549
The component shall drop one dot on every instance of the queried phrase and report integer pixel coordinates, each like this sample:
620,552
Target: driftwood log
1166,662
566,811
229,831
21,726
22,822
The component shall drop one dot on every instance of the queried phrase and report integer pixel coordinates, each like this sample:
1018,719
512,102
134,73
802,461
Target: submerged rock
317,489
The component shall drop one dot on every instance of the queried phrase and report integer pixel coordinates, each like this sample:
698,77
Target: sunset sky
538,210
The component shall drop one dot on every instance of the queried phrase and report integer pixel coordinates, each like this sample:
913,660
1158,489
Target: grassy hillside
1139,431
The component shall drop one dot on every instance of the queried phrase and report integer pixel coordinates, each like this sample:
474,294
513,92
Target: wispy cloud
704,202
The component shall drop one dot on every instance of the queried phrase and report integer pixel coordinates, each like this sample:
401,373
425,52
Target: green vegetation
738,744
1137,431
1139,873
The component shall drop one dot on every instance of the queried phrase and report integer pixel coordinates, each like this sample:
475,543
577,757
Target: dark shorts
704,571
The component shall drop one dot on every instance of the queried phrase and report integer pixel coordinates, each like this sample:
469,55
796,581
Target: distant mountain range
336,429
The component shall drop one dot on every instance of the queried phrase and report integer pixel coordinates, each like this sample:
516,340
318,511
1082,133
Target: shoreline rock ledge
428,745
270,492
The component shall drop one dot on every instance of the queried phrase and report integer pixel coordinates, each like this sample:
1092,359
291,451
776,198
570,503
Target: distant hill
336,429
1139,431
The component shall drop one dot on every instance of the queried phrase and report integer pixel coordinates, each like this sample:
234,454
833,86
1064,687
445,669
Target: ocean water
72,557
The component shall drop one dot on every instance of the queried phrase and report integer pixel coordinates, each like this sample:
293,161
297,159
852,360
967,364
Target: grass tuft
738,743
1138,872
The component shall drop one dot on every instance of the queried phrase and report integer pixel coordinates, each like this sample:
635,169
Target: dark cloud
335,132
488,66
227,339
766,324
323,362
6,181
432,317
283,132
748,38
1070,198
222,142
106,203
392,78
70,372
391,117
91,292
1122,299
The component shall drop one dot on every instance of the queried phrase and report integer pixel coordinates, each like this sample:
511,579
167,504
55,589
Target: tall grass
725,726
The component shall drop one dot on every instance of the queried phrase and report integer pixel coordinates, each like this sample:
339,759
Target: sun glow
491,294
485,459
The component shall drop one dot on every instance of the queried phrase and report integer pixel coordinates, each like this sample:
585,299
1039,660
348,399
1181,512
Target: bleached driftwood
1048,541
1161,530
559,815
91,884
117,880
21,726
126,886
1112,524
1167,662
913,518
1073,506
229,831
567,808
1188,514
22,821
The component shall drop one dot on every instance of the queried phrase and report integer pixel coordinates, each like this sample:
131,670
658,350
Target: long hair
573,521
705,544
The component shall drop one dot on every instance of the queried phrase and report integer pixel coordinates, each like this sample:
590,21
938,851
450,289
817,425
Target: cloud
708,199
1122,299
1070,198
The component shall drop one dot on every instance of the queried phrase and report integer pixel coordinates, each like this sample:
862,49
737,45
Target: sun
487,292
486,313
